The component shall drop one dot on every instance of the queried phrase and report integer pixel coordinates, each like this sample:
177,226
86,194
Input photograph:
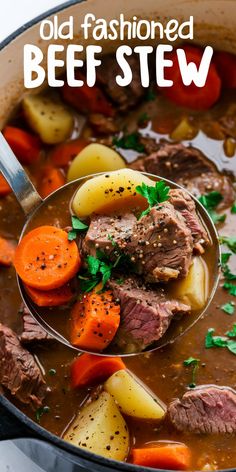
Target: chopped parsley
231,288
192,361
143,118
154,194
100,269
129,141
225,256
233,208
77,227
221,341
229,241
41,411
52,372
210,201
228,308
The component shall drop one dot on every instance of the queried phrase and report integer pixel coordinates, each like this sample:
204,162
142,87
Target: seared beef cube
182,202
161,245
206,409
32,332
124,97
187,166
145,314
105,231
102,124
19,372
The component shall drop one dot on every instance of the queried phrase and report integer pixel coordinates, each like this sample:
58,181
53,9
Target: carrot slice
45,259
63,154
51,180
89,370
7,252
26,146
87,99
55,297
169,456
191,96
5,188
94,321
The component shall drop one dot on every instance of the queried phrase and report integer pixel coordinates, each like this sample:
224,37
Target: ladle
31,203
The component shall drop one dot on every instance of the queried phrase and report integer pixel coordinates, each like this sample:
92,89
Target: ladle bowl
32,205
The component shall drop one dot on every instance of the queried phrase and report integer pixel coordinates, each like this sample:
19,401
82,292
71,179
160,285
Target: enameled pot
214,24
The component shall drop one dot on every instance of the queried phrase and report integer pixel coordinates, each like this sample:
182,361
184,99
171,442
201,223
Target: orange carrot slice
56,297
169,456
45,259
26,146
95,320
63,154
89,370
51,180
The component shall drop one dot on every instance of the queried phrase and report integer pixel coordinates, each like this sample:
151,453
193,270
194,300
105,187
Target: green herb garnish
129,141
100,268
77,227
221,341
229,241
233,208
231,288
228,308
192,361
52,372
41,411
143,118
154,194
225,256
210,201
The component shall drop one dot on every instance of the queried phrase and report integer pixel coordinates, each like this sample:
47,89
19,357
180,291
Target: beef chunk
186,166
161,244
104,231
32,331
123,97
206,409
145,314
102,124
19,372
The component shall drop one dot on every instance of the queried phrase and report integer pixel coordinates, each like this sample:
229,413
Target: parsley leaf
221,341
232,334
77,226
154,194
233,208
150,95
225,256
229,241
214,341
228,308
143,118
129,141
195,363
231,288
210,201
40,412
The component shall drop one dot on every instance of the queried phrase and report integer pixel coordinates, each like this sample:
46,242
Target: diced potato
48,117
93,159
193,289
109,189
100,428
133,397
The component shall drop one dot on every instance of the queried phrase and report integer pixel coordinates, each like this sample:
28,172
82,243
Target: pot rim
4,401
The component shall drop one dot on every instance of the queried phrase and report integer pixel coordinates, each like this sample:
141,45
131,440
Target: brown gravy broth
162,371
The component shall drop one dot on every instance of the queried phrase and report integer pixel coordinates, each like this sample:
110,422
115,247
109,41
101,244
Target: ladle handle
12,170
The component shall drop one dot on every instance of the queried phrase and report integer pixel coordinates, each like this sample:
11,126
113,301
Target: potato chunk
110,189
193,289
134,398
100,428
93,159
48,117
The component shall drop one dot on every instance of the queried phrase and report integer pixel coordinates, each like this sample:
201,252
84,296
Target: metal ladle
31,203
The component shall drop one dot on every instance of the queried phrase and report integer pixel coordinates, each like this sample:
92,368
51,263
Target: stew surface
153,119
